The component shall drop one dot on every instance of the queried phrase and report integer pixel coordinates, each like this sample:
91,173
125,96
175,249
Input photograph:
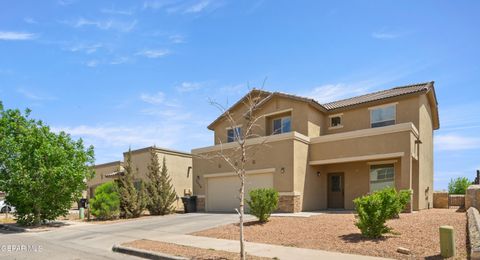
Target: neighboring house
325,155
179,165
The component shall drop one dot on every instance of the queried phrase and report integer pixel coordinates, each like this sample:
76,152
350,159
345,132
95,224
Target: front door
336,193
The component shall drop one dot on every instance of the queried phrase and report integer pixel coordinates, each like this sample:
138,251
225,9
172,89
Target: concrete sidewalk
258,249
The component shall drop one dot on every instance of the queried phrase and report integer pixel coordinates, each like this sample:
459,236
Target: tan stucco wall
425,155
412,171
100,171
177,165
360,146
271,155
359,118
305,119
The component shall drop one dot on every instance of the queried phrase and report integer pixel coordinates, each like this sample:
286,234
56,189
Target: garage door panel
223,192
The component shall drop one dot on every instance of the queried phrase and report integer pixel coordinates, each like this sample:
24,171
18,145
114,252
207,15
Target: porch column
406,177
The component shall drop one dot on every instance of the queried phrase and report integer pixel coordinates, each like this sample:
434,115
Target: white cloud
87,48
122,136
454,142
185,7
197,7
153,54
30,20
332,92
116,11
66,2
119,60
154,99
188,86
177,38
16,36
109,24
92,63
34,96
385,35
156,4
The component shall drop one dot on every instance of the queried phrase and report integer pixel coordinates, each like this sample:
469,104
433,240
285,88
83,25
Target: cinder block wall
440,200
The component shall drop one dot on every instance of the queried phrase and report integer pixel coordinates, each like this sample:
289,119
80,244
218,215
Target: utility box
447,241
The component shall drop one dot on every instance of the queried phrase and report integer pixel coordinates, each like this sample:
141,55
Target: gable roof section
380,95
406,90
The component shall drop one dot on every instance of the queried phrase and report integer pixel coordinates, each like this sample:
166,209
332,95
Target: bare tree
238,156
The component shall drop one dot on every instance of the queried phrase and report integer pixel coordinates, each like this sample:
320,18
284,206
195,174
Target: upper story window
281,125
382,116
233,134
335,121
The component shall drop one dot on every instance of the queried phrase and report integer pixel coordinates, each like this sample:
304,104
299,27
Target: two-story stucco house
179,165
320,156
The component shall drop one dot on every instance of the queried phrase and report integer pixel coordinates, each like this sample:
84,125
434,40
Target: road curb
145,253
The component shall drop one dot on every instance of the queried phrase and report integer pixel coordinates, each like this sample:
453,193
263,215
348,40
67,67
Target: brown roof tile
379,95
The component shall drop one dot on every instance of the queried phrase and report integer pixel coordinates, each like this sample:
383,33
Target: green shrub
375,209
262,203
458,185
106,203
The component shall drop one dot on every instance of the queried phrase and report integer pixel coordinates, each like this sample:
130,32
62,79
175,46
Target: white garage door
223,192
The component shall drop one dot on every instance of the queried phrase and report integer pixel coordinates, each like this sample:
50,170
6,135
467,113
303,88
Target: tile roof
379,95
344,103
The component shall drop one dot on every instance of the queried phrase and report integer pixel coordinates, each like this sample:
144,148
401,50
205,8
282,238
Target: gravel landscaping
193,253
417,232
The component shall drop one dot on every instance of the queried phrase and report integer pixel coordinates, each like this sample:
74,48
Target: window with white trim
335,121
233,134
382,176
382,116
281,125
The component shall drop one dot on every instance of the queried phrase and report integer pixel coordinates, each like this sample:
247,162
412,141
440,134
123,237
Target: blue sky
138,73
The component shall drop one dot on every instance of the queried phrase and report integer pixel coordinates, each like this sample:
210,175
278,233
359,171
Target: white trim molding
278,112
358,158
200,196
235,126
253,141
403,127
335,115
229,174
382,162
383,105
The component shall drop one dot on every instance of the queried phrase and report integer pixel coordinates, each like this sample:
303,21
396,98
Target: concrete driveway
94,241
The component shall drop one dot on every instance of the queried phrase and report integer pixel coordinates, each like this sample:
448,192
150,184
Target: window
233,134
281,125
335,121
381,176
382,116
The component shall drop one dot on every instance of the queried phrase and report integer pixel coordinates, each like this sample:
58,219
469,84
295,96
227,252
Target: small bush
375,209
262,203
458,185
106,203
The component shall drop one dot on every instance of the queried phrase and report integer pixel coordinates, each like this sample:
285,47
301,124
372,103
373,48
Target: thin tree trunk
242,198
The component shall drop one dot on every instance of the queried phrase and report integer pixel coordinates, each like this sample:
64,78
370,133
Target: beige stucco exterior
301,160
178,164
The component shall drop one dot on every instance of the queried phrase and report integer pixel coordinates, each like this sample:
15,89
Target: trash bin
82,203
189,204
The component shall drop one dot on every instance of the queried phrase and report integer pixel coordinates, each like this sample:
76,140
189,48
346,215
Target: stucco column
406,177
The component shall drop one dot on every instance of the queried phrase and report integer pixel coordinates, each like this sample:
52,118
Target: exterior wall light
282,170
318,174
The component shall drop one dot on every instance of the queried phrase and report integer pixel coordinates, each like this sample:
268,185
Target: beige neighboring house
179,165
326,155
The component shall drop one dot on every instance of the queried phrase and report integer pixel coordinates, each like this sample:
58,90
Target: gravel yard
336,232
186,251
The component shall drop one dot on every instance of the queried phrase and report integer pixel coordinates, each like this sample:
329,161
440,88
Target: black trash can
189,204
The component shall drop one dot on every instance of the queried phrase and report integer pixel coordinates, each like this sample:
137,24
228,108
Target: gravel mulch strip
336,232
193,253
